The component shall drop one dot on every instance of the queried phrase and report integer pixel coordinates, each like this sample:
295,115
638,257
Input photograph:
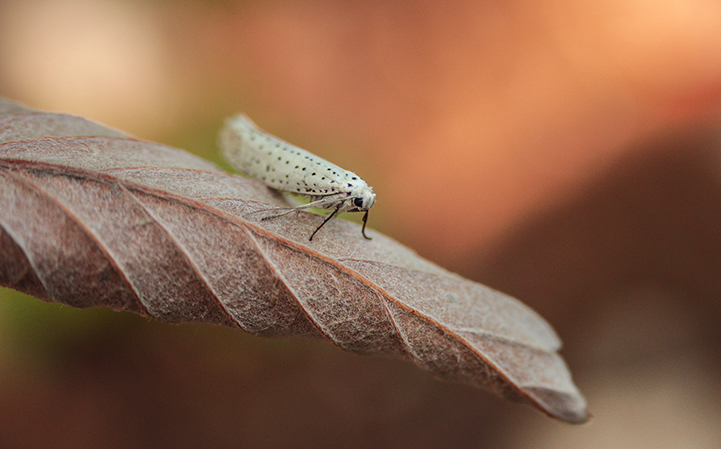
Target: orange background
565,152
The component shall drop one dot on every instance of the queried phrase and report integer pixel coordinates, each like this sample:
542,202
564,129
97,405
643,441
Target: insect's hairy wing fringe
285,211
324,203
281,211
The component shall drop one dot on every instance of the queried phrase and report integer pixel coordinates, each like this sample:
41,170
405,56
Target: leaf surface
92,217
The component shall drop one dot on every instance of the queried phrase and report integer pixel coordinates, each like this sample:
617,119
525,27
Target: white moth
290,169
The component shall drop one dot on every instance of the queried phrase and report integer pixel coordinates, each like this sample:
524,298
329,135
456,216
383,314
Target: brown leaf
90,217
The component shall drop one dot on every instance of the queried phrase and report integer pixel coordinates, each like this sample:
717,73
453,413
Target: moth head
363,198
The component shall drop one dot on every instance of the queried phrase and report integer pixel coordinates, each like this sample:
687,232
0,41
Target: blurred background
565,152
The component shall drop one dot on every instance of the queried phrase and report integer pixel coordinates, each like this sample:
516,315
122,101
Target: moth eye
358,202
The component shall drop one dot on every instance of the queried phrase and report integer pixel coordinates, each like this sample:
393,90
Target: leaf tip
561,405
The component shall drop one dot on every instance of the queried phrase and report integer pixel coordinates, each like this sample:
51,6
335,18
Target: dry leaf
91,217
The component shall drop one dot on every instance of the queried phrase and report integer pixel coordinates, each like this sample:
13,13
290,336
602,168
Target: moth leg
363,230
327,219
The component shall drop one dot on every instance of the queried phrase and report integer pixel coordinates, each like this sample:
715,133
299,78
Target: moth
290,169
